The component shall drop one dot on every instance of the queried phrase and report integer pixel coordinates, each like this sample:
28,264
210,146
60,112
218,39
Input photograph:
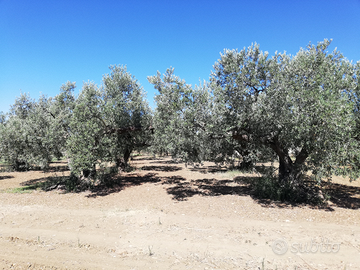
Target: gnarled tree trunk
122,163
289,171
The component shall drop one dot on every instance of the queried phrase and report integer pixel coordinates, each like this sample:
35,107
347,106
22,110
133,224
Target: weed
20,190
150,251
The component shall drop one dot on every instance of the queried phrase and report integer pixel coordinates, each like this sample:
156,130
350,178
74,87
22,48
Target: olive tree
13,146
191,124
181,119
28,135
127,117
299,107
84,144
108,122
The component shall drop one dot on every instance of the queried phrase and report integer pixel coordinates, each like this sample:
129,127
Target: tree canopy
181,118
108,122
301,107
29,136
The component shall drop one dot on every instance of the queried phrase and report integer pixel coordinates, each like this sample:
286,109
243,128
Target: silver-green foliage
108,122
181,119
300,107
29,135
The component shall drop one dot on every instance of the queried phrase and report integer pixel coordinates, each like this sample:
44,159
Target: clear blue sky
45,43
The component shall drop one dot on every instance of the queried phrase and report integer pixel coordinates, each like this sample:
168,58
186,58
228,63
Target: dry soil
166,216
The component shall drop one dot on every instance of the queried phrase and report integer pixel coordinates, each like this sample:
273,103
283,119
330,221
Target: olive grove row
302,111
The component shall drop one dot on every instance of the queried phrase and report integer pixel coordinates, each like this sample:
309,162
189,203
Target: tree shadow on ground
61,168
218,168
161,168
112,184
209,169
183,189
341,196
119,183
6,177
47,183
167,161
268,203
344,196
146,158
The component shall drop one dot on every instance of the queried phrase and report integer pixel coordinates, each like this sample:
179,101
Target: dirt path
166,216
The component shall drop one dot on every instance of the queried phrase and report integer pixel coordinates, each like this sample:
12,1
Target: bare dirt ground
166,216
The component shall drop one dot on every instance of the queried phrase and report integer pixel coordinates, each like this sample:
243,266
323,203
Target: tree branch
301,157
